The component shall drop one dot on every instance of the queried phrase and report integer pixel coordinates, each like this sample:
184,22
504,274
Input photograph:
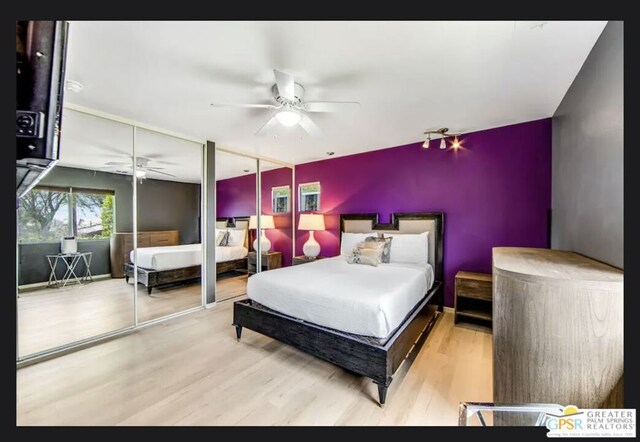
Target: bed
167,265
364,319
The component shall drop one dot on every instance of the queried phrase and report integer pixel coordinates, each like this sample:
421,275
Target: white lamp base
311,248
264,242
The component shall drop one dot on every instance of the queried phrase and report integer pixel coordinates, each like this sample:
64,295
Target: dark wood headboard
432,222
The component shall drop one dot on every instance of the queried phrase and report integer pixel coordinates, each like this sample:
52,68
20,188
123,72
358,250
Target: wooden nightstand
303,259
270,261
473,298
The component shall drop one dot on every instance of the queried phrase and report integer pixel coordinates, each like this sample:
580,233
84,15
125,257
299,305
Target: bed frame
156,278
378,362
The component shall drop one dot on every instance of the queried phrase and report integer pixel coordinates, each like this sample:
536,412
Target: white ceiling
408,76
89,142
229,165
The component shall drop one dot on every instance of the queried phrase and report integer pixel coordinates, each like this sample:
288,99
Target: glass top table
70,262
486,414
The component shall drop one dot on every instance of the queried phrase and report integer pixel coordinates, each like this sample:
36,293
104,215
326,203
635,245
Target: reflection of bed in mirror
181,264
233,258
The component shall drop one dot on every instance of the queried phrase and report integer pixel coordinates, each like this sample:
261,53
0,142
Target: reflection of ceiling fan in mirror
142,168
290,107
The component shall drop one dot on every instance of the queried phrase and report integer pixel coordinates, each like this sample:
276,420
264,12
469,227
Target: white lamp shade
266,222
311,221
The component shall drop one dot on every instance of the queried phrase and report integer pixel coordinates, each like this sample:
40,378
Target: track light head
443,132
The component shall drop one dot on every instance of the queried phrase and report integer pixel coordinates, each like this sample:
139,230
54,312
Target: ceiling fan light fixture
141,173
288,118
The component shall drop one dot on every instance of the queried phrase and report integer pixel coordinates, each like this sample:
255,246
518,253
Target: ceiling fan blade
154,168
268,126
310,127
252,106
158,172
117,163
285,85
331,106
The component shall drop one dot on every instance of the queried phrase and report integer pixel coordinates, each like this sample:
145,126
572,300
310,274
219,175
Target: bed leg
238,332
382,390
149,290
126,278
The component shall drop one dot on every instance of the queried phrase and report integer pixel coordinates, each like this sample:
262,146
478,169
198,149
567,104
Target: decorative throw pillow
222,240
386,246
366,252
349,240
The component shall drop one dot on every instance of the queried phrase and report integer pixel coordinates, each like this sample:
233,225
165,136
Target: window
280,199
49,213
309,197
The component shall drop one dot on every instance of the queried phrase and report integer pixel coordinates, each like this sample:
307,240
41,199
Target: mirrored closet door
70,284
168,250
235,224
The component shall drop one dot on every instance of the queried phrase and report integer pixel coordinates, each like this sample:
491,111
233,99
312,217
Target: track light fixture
443,133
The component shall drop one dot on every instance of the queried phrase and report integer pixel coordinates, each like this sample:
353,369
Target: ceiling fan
142,167
290,107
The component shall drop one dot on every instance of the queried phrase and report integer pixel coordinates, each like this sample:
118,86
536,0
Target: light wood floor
48,318
231,285
191,371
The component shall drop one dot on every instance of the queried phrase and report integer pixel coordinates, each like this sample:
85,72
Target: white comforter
188,255
354,298
229,253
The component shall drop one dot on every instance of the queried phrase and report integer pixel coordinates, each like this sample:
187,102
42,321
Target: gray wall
33,266
162,205
210,207
587,179
169,205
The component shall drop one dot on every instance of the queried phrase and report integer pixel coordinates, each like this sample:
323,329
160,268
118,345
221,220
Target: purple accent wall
237,197
495,191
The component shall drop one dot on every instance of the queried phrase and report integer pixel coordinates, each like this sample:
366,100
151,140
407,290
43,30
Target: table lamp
311,222
266,222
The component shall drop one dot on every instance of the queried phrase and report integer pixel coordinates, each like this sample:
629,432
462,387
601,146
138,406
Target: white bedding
188,255
230,253
354,298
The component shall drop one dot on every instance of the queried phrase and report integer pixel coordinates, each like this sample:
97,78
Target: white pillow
409,247
236,237
350,240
